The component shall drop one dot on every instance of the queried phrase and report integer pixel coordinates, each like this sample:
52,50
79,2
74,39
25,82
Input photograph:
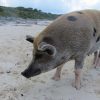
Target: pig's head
44,59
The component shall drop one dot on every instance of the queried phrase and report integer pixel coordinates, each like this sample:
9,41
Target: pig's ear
48,48
29,38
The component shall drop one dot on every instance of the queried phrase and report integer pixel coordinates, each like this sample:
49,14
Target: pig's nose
25,74
37,72
31,73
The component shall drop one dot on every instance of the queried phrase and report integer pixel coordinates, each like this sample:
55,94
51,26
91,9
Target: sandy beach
16,54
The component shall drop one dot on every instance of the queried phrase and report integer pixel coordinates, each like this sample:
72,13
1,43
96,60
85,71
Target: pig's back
74,30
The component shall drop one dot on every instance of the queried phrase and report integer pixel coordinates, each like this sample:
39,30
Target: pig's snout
30,73
24,74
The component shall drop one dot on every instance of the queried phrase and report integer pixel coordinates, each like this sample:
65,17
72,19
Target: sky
54,6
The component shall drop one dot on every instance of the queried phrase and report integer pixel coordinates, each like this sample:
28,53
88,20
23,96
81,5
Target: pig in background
72,36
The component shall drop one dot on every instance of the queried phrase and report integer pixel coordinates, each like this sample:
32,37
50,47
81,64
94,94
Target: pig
71,36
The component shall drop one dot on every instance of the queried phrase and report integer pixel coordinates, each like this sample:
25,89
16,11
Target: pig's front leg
78,69
57,75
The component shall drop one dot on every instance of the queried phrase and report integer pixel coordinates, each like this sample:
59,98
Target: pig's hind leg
97,62
57,75
95,57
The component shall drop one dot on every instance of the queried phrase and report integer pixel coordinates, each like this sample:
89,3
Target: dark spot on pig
94,32
48,40
98,39
79,12
71,18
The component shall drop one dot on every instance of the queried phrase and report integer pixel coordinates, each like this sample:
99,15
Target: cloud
90,3
81,4
54,6
4,2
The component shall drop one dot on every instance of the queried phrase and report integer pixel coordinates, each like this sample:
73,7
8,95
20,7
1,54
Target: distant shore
25,13
20,21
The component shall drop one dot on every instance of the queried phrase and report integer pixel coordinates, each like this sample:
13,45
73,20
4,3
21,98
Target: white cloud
90,2
4,2
54,6
81,4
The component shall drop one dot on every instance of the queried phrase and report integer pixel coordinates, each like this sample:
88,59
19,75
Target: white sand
16,54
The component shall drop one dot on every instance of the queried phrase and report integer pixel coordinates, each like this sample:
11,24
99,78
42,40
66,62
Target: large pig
71,36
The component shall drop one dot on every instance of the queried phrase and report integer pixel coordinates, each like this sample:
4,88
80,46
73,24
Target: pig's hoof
94,65
77,86
56,78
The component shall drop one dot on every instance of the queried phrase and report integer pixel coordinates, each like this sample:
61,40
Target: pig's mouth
37,72
31,73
